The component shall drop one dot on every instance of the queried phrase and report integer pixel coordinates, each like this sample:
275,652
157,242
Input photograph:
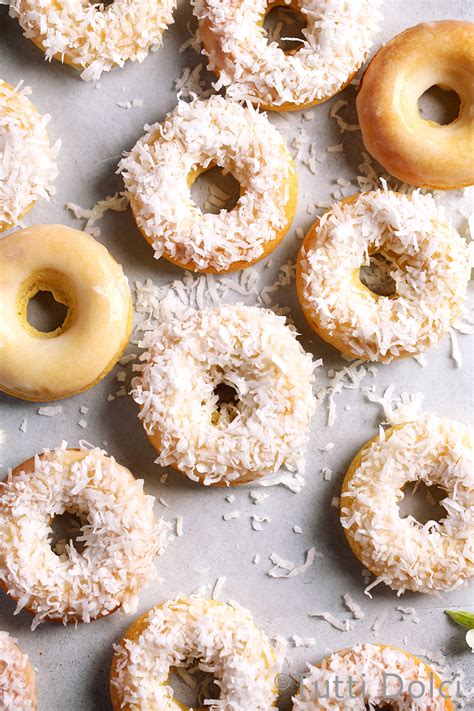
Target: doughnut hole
193,687
226,407
422,502
65,530
214,189
439,105
376,275
46,304
285,25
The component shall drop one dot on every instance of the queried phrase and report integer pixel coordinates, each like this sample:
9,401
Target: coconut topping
119,534
429,264
368,676
17,690
27,161
253,351
337,39
94,37
222,639
402,552
198,135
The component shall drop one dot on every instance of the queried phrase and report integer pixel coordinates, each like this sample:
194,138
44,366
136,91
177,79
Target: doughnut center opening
193,687
226,405
439,105
285,25
66,528
422,502
376,275
215,189
44,313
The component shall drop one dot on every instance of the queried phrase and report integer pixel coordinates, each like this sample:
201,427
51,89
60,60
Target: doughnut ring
28,161
82,275
119,534
196,136
220,638
421,152
403,553
336,42
371,676
255,353
429,265
94,38
17,677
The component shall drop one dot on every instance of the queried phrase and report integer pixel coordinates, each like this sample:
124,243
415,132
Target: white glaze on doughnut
250,349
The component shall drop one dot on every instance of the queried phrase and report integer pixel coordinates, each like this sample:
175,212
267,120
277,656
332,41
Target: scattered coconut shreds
404,408
343,125
297,529
24,424
379,621
218,586
455,350
327,474
256,559
191,84
348,378
335,501
352,606
163,502
258,496
257,521
50,410
303,641
118,203
133,104
342,625
179,526
230,499
83,410
82,424
409,614
231,516
287,569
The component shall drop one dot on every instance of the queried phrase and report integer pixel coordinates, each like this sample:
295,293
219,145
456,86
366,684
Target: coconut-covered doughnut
255,353
372,676
218,638
418,151
27,160
337,39
82,275
119,535
401,552
94,37
17,678
429,265
163,165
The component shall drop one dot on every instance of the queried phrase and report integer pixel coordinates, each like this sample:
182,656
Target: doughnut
429,263
196,136
119,534
27,160
81,274
401,552
418,151
338,37
249,349
372,676
17,678
219,638
92,37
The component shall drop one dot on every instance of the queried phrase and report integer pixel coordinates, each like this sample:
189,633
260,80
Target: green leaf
466,619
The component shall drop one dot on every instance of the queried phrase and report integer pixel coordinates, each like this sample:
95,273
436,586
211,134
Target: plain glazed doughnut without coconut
196,136
373,676
26,157
429,265
92,37
119,535
81,274
402,552
248,349
421,152
211,635
337,39
17,678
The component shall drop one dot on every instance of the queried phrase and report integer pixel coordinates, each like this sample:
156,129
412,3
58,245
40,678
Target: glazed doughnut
220,638
81,274
419,152
253,351
26,156
337,40
403,553
373,676
429,263
119,533
196,136
92,37
17,678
